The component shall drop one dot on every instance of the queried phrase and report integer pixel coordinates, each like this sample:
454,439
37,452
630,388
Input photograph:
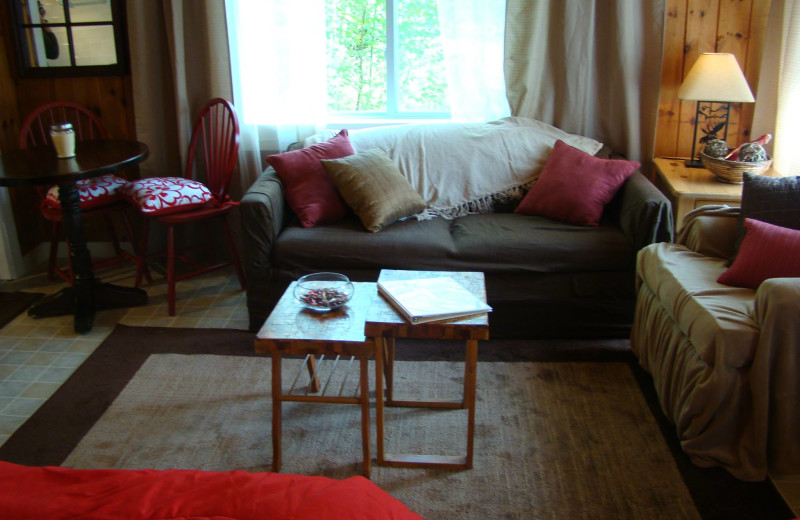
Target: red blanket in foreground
60,493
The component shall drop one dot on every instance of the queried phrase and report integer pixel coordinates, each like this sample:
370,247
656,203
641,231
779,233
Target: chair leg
54,239
140,261
171,270
234,257
141,253
113,234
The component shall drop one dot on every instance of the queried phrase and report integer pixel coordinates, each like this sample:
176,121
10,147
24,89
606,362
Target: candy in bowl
323,291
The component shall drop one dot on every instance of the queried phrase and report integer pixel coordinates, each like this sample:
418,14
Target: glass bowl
323,291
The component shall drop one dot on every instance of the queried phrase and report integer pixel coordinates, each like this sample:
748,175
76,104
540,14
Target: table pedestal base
105,296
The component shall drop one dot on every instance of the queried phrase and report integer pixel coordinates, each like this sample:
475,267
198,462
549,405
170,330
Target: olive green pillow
373,187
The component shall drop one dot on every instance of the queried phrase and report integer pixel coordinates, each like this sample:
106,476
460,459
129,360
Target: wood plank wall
696,26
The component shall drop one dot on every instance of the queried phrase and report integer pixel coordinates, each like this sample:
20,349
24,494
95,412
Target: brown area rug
13,303
554,439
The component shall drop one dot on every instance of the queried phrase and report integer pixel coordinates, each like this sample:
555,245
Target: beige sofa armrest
710,230
775,373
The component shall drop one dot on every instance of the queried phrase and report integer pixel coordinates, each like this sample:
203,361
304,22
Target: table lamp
715,81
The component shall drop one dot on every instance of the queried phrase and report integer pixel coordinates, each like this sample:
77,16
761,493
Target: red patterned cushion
93,192
574,187
162,195
767,251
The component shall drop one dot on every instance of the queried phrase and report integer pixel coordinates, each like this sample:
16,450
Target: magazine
431,299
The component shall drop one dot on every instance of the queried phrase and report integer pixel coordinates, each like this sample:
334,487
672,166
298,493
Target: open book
431,299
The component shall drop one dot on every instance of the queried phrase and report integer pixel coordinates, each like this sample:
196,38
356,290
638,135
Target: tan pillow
374,188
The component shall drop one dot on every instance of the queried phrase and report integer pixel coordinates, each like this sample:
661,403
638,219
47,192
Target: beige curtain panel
590,67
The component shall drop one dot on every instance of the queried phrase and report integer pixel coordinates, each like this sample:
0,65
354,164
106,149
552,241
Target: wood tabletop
293,328
40,165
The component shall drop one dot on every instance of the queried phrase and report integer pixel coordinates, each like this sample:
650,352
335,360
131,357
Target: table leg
364,381
80,258
468,402
379,345
470,388
276,411
389,369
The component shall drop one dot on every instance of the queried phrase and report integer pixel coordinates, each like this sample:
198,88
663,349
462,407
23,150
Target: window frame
391,115
27,70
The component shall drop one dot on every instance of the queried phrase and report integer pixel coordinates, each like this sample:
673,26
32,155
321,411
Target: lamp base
694,163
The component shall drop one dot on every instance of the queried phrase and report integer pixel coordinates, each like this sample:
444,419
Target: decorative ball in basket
730,164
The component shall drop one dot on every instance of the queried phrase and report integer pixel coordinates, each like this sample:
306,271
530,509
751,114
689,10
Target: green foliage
356,46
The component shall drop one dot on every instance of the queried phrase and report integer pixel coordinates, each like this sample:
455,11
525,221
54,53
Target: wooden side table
690,188
290,329
384,324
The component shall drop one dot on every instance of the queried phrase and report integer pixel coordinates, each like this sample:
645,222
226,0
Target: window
69,38
355,63
385,58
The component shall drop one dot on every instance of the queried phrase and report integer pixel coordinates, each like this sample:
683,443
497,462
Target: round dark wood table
39,166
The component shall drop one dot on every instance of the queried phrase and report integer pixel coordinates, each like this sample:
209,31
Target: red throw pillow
767,251
574,186
309,191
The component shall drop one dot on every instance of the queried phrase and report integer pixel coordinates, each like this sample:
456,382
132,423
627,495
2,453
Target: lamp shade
716,77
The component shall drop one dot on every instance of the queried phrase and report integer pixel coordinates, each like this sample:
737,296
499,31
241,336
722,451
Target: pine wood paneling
692,28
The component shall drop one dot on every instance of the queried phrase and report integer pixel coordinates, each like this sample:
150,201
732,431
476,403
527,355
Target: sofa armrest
775,385
710,230
645,214
263,212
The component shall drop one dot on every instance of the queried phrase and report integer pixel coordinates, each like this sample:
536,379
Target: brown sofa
544,278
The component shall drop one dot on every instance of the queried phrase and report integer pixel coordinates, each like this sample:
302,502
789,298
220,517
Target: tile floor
37,355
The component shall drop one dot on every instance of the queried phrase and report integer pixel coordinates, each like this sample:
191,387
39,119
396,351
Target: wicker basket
732,171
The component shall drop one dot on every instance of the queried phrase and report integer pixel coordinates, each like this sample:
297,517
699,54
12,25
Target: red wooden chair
173,201
99,198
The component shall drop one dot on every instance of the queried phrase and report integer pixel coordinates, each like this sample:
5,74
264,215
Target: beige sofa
725,361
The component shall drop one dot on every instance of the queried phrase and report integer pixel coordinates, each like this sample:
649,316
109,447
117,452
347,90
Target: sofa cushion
308,190
374,188
508,241
574,187
499,242
767,251
409,244
775,200
716,318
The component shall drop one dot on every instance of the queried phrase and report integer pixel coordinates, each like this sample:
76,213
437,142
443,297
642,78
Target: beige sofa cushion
717,319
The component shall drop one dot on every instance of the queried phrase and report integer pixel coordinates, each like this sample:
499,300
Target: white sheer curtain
282,63
778,103
281,66
473,35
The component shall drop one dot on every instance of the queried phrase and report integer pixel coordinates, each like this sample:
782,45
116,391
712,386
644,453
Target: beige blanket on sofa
460,169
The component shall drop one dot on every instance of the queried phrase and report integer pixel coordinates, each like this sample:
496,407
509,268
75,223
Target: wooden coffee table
291,330
384,325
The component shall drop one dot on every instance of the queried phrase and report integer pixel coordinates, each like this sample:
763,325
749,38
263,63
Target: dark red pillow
574,187
309,192
767,251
